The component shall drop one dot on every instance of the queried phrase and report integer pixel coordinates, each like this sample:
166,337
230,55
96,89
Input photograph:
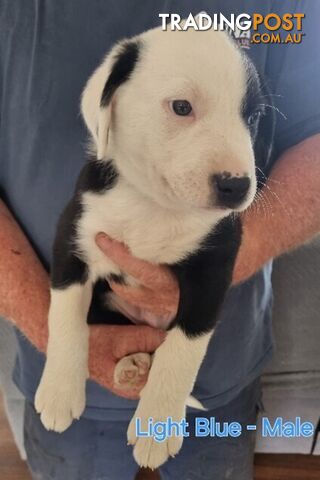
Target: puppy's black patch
204,278
263,145
116,279
98,311
258,98
252,100
97,176
123,66
67,267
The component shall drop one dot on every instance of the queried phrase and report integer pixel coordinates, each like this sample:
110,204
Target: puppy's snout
230,191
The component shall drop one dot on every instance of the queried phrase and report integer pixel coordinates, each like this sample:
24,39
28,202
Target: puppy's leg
171,380
60,397
203,279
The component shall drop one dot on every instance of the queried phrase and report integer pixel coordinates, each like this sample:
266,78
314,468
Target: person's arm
288,214
285,215
24,300
24,283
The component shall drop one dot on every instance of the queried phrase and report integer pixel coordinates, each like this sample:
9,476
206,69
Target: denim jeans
97,450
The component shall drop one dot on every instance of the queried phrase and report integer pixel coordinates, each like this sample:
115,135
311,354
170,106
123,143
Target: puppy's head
179,113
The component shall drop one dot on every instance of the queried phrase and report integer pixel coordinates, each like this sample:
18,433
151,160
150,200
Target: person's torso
47,52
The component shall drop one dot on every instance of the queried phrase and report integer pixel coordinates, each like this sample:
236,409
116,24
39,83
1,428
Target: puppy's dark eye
254,118
181,107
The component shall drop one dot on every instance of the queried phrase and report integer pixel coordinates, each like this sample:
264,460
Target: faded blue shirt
48,49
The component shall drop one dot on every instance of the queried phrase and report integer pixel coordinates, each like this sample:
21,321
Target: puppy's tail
194,403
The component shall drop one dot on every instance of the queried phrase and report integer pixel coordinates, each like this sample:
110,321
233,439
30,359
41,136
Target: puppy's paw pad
131,370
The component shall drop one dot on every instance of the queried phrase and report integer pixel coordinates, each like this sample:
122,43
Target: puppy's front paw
60,401
147,451
132,370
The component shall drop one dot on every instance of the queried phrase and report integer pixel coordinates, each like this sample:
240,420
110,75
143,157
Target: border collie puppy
176,120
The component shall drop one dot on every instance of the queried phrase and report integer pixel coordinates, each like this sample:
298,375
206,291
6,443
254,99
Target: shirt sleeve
295,73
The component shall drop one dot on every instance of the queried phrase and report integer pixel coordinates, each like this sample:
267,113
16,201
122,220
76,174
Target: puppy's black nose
231,191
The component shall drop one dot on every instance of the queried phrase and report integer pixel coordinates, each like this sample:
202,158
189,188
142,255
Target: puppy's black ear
263,145
123,65
97,96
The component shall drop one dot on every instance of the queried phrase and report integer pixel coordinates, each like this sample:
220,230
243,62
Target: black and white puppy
175,121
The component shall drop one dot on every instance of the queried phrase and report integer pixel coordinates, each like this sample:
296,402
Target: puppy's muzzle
230,191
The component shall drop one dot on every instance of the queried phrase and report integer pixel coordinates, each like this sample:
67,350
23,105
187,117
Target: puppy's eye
181,107
254,118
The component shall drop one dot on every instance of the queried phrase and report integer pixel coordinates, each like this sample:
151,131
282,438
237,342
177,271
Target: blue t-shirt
47,51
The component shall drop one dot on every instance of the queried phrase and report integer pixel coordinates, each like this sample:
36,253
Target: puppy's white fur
61,394
161,207
171,379
166,157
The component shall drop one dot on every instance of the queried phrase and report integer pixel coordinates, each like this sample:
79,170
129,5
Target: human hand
110,343
156,300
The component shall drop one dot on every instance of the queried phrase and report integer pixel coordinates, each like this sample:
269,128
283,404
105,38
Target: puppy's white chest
151,232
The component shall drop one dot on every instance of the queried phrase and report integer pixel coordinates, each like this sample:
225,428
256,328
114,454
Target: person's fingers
139,339
146,299
101,360
152,276
141,315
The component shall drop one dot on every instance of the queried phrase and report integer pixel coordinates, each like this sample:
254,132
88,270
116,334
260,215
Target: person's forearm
25,299
288,212
24,284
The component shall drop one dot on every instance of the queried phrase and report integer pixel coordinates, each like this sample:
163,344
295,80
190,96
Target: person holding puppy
47,53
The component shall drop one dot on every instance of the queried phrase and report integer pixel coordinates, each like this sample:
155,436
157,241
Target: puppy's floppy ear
97,96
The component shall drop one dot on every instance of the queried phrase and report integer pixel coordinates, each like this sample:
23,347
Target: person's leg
208,458
88,450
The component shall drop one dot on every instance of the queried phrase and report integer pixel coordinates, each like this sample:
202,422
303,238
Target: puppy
176,119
